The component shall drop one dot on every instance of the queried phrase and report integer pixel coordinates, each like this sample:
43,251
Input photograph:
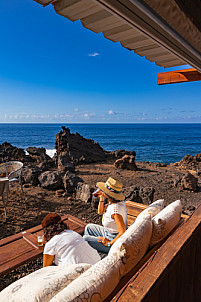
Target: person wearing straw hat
114,218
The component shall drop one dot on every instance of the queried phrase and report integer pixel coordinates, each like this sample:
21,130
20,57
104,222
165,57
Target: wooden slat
134,209
31,239
179,76
11,251
22,259
135,204
130,219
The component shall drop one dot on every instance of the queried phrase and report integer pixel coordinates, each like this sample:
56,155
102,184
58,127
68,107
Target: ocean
152,142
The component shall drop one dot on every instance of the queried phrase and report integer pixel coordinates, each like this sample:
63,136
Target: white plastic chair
12,170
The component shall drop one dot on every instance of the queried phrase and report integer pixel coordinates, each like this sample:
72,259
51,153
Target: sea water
151,142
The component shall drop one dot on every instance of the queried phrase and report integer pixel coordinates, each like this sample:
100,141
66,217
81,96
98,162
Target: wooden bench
133,210
21,248
173,272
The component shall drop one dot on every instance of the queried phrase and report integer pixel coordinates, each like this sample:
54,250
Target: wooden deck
21,248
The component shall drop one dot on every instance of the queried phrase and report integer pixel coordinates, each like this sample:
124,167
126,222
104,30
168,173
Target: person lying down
64,246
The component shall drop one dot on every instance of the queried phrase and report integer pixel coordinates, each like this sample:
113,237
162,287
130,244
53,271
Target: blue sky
55,71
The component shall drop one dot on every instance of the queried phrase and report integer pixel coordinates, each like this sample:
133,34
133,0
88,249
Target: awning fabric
156,29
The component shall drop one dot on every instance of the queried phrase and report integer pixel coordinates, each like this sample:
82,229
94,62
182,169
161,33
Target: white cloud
111,112
87,116
76,110
95,54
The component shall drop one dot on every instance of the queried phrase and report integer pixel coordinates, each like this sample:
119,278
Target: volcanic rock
70,181
79,149
9,153
64,163
191,162
143,195
147,194
50,180
30,174
126,162
120,153
187,182
84,192
132,193
47,165
38,154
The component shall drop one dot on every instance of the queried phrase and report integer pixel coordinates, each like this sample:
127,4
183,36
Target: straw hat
51,218
112,188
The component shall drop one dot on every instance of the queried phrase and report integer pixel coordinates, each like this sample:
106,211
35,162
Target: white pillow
153,209
165,221
135,241
43,284
96,283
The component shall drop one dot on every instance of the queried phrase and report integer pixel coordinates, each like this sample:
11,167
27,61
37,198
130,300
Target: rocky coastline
65,183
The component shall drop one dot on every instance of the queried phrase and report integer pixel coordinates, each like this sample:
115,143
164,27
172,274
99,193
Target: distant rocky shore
57,173
60,173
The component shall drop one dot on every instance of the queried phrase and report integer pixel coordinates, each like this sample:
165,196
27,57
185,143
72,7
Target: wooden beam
179,76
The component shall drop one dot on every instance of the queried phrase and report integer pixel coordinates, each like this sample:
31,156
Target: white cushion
153,209
135,240
96,283
165,221
43,284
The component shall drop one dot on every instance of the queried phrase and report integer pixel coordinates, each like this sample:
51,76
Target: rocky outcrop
79,149
120,153
64,163
70,181
126,162
143,195
9,153
191,162
38,155
50,180
186,182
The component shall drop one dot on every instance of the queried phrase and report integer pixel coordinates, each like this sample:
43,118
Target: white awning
156,29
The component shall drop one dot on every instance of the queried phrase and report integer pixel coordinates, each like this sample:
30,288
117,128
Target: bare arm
121,229
120,226
101,206
47,260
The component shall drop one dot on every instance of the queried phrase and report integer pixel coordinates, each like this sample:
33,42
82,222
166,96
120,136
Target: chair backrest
3,170
12,169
